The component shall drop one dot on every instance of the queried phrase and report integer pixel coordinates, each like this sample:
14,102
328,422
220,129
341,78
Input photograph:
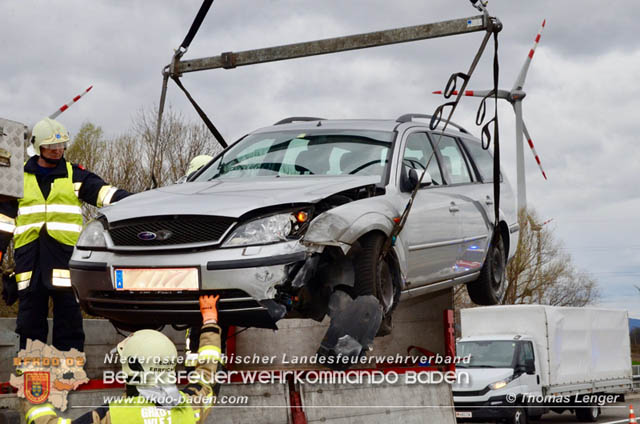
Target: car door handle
489,201
453,207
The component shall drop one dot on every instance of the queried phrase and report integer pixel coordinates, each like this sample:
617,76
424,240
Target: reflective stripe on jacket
61,211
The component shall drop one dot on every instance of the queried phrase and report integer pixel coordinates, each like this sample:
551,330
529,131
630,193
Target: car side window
526,353
417,152
453,160
482,158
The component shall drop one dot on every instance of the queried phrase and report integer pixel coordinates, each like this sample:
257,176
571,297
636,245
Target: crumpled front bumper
246,279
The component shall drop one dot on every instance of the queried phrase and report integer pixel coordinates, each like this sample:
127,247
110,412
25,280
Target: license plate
463,414
156,279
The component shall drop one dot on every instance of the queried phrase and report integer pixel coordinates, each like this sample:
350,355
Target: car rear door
470,197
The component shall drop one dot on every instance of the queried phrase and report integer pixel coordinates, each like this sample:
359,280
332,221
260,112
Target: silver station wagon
290,221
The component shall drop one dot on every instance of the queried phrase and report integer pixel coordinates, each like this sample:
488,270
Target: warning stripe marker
62,108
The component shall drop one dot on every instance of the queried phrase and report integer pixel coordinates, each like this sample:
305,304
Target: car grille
471,392
230,300
181,229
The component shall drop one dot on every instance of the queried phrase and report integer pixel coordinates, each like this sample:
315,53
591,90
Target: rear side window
452,159
482,159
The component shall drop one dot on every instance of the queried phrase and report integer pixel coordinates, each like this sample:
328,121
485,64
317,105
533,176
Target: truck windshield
486,354
296,153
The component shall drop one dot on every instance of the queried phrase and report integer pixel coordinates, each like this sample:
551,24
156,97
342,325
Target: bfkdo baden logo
36,386
46,374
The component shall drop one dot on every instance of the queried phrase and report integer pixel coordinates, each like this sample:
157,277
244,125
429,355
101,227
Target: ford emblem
147,236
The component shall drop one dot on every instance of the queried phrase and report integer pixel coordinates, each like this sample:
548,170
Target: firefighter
45,225
155,397
194,165
197,163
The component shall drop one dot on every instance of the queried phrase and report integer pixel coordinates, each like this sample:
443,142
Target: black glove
9,289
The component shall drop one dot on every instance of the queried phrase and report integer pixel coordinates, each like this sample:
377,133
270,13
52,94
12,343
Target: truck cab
495,371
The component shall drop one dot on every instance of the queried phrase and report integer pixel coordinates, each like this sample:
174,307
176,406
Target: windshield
295,153
487,354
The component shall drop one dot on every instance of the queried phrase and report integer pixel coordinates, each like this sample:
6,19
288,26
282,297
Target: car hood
231,198
479,378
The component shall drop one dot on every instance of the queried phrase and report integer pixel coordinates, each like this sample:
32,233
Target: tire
588,415
375,277
491,286
519,416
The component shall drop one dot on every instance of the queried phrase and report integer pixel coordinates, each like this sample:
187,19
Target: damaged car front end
253,227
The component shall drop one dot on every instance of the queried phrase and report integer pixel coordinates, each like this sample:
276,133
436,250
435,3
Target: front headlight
270,229
499,384
92,237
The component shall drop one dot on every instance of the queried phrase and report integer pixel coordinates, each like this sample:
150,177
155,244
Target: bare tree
126,161
541,271
179,142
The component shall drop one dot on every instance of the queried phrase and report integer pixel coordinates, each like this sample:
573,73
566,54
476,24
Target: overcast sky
582,106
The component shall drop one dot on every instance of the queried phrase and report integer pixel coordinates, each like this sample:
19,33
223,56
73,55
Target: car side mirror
529,366
411,178
414,178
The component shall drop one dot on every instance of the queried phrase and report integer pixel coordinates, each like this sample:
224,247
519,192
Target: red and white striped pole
62,108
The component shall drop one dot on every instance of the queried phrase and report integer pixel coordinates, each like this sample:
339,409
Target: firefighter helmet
148,357
198,162
48,132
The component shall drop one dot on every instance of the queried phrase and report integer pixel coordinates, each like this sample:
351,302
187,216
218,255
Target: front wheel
588,415
519,417
374,276
491,286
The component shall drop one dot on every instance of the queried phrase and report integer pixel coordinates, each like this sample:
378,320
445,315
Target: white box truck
527,360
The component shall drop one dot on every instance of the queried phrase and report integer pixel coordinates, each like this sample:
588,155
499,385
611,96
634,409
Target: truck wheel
519,417
375,277
588,415
491,286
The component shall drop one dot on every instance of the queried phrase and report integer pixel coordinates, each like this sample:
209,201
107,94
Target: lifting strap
203,115
195,26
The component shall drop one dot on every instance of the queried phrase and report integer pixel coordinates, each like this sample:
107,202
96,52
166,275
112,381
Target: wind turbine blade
469,93
525,68
62,108
502,94
533,149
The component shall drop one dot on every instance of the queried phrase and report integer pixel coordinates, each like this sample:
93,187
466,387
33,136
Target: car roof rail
298,119
408,117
